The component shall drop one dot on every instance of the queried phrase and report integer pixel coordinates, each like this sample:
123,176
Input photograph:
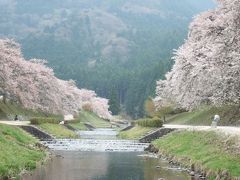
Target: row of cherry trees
207,65
34,85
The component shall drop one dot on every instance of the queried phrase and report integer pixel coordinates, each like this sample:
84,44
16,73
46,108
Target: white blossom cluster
34,85
207,65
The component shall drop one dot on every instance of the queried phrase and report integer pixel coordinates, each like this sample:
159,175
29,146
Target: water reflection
104,166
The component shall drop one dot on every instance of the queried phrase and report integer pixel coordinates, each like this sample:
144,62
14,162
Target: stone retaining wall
155,135
37,132
127,128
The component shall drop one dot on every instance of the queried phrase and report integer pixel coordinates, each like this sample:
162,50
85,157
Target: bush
42,120
149,108
87,107
154,122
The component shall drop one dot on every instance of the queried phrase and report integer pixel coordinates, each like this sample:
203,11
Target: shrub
87,107
149,108
42,120
154,122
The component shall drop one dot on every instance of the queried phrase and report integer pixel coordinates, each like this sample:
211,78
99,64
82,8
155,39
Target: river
103,159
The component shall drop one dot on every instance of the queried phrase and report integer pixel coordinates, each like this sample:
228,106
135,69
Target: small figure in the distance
16,118
215,121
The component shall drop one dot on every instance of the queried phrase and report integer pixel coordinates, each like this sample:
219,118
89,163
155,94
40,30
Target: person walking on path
16,118
215,121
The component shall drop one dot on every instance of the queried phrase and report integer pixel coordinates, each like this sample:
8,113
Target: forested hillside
207,65
122,46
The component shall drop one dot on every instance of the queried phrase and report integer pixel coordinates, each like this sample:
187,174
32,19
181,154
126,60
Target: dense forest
116,48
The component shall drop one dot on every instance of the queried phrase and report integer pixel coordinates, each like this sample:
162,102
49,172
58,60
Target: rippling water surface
98,158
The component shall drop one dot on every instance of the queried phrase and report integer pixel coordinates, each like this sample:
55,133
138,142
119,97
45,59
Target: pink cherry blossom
207,65
34,85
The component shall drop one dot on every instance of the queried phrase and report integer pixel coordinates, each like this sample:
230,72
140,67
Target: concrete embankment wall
155,135
127,128
89,126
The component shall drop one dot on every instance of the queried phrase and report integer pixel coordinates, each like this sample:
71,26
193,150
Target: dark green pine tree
114,103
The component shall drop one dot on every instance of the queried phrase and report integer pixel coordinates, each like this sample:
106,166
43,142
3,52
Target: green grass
9,110
135,133
230,115
58,131
78,126
206,149
17,151
93,119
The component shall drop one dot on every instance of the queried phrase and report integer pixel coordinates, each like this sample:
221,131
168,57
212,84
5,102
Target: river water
103,159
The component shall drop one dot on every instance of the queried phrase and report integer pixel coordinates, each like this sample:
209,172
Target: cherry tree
34,85
207,65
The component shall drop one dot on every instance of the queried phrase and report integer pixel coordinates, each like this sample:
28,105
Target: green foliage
205,149
87,107
154,122
17,151
135,133
42,120
149,107
165,111
114,105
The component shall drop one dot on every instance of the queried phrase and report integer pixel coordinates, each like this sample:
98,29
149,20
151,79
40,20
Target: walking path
15,123
228,130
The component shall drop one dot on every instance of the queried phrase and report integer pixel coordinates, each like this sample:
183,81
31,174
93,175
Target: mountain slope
103,45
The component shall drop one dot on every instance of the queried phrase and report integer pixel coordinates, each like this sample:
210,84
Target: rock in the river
151,148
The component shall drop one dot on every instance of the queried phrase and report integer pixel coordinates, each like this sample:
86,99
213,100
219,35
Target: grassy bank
135,133
93,119
57,130
230,115
17,151
79,126
208,152
8,111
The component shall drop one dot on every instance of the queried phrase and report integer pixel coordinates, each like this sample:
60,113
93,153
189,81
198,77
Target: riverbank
135,133
18,151
229,115
204,152
58,131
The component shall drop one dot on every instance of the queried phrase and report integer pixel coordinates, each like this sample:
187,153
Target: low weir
95,145
99,140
